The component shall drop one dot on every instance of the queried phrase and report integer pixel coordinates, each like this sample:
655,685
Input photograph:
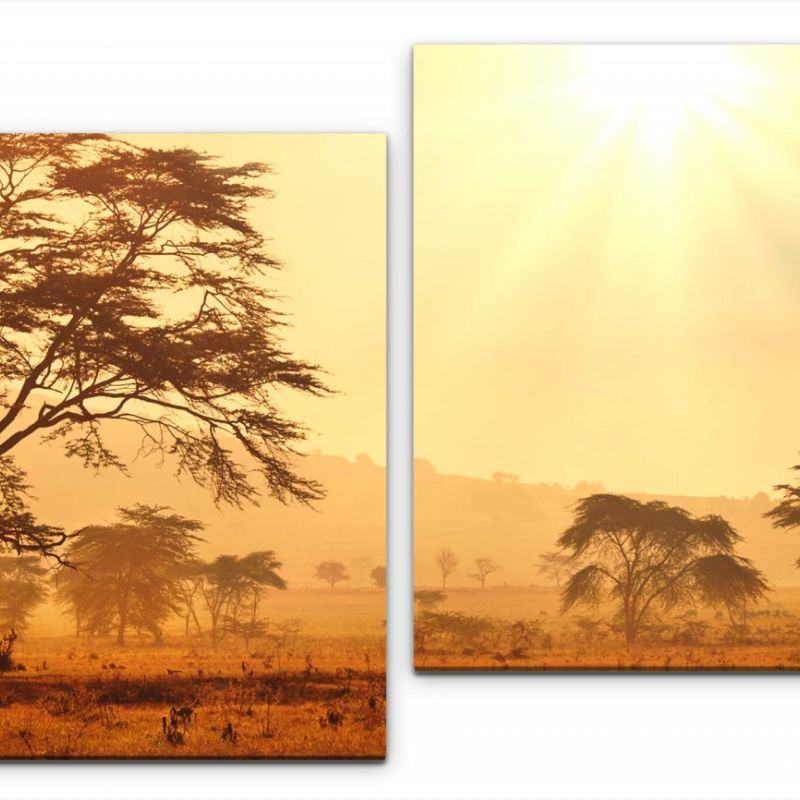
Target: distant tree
447,562
94,234
332,572
378,576
22,588
557,566
652,555
260,573
233,587
188,577
221,580
485,567
127,571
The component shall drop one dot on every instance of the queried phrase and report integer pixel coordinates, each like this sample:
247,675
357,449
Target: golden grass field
313,688
520,628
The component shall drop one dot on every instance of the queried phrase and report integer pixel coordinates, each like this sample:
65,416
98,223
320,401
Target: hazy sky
607,264
327,223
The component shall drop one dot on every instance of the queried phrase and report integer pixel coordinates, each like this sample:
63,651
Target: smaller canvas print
192,546
607,287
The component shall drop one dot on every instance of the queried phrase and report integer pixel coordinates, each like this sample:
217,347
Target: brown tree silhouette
378,576
485,567
126,572
557,566
94,233
649,555
786,514
447,562
332,572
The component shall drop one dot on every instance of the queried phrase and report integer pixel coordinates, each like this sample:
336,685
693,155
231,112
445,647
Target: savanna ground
314,687
520,628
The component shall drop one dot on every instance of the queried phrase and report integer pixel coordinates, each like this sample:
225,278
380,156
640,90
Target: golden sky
327,223
607,264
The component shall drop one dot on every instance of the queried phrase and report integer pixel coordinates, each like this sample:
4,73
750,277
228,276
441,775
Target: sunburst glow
662,90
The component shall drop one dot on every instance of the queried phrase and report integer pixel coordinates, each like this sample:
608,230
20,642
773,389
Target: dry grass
315,693
547,640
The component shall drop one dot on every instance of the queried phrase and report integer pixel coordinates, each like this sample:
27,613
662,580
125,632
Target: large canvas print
192,548
607,285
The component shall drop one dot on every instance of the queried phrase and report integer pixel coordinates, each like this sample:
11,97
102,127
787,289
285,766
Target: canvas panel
193,558
606,295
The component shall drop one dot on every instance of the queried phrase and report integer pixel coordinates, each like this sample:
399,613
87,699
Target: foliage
332,572
645,556
94,234
233,587
7,650
378,576
485,567
447,561
557,566
429,598
22,588
125,573
786,514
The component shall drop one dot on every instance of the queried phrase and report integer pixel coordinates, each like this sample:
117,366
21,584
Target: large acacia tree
126,574
132,291
650,556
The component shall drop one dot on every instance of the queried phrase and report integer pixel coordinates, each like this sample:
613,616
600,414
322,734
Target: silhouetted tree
332,572
22,588
378,576
447,562
485,567
233,587
188,578
556,566
786,514
723,581
94,232
128,570
649,555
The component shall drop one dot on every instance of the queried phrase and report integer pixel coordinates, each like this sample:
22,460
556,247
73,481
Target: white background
344,66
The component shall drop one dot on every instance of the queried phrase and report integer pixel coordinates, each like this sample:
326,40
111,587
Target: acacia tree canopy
22,588
786,514
126,573
233,586
332,572
132,290
646,556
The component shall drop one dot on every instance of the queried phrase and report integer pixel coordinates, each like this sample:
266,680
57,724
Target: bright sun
661,89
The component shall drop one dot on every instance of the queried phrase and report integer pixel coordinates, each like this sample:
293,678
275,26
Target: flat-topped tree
649,556
132,290
128,571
